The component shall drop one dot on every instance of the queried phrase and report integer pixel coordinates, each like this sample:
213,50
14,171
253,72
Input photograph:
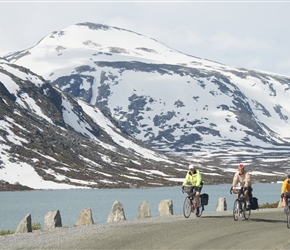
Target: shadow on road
267,220
216,216
252,218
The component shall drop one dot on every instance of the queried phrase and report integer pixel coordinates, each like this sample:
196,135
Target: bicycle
240,205
190,204
286,209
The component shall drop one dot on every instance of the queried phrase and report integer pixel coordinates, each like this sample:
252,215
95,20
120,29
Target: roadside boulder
117,213
165,207
52,220
85,218
25,225
144,210
221,204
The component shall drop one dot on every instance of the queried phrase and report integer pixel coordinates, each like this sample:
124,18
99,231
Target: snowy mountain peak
102,43
173,102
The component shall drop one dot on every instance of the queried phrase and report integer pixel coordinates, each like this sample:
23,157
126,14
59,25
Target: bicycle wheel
199,213
246,212
288,217
236,210
187,207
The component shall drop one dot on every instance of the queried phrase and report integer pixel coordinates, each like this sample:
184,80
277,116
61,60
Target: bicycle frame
240,205
288,213
190,205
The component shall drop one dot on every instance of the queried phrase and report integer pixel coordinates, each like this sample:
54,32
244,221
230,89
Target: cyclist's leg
247,194
238,194
285,200
197,198
197,195
250,192
286,196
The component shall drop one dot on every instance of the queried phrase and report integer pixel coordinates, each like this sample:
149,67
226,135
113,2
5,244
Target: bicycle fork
193,204
239,208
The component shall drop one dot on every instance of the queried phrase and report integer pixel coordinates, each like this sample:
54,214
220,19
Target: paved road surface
266,229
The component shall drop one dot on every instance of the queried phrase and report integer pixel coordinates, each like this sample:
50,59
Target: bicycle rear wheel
200,210
246,212
187,207
236,210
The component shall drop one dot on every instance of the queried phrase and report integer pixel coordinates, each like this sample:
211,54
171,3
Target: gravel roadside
266,229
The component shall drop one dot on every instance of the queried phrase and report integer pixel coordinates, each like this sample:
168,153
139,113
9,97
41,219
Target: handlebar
238,190
189,189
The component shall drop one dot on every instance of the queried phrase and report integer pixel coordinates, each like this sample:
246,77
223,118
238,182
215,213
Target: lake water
15,206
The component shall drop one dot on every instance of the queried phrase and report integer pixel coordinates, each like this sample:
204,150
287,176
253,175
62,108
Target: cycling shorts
249,190
196,189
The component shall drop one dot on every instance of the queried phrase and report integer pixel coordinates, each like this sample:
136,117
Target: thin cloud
225,41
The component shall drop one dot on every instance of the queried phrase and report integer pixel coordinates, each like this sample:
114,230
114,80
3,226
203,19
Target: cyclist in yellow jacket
285,190
193,178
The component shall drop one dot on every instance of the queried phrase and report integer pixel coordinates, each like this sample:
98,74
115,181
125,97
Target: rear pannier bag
204,199
254,203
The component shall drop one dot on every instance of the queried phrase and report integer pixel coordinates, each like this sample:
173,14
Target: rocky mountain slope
66,141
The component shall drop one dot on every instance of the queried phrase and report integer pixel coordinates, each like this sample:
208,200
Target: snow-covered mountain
178,104
172,101
50,139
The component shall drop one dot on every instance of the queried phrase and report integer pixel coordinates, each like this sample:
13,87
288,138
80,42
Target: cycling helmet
241,166
191,166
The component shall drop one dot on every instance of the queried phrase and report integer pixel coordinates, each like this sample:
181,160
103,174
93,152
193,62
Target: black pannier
204,199
254,203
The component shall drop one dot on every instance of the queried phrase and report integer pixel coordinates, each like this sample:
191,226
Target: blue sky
250,34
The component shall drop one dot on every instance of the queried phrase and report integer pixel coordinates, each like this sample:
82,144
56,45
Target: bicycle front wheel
236,210
288,218
187,207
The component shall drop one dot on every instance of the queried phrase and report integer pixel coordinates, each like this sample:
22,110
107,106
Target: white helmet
191,166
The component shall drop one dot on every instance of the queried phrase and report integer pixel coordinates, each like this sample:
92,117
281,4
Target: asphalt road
266,229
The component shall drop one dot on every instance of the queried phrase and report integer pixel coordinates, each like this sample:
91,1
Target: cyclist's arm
198,179
186,180
235,180
284,186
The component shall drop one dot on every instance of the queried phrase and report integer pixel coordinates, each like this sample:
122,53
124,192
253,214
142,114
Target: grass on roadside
269,205
6,232
35,226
